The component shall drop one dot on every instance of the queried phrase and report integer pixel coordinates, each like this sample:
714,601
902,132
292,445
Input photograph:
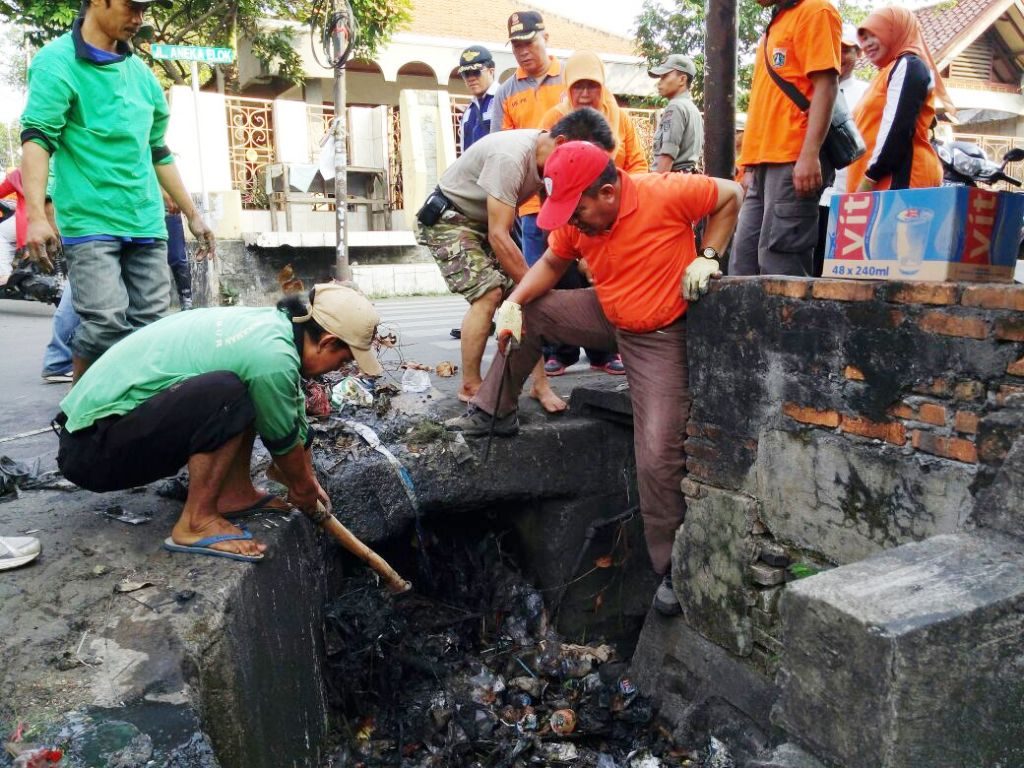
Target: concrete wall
834,421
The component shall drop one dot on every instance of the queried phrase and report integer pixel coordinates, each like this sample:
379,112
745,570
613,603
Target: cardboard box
940,233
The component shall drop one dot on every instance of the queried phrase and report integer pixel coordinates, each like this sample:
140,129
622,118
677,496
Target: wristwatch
710,253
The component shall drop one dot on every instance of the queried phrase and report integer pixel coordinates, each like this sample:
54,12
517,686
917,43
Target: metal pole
342,269
720,89
199,138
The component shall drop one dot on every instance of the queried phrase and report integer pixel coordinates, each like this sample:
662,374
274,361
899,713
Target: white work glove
509,323
698,276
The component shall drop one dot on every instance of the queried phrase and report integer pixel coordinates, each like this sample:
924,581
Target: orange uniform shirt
802,40
629,153
522,102
638,266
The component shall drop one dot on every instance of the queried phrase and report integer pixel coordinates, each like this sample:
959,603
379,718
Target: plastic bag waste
415,380
351,391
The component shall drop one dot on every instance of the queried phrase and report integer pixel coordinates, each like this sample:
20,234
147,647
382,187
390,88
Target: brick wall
831,420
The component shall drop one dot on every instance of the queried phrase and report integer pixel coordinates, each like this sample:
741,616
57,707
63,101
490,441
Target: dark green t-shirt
255,344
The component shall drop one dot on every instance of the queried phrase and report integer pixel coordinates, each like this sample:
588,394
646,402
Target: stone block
712,553
851,500
787,756
774,554
766,575
768,599
908,659
1001,505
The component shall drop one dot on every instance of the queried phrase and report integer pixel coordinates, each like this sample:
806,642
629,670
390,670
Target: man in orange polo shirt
636,233
523,100
782,171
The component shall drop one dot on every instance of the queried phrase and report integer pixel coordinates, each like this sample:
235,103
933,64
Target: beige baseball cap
351,317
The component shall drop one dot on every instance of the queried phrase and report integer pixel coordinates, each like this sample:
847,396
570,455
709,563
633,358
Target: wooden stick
395,583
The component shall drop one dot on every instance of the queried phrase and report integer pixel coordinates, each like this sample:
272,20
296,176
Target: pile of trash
467,671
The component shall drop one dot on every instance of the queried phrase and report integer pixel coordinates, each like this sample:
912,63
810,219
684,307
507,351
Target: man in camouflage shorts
467,223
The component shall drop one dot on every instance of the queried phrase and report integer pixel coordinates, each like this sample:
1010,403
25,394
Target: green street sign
197,53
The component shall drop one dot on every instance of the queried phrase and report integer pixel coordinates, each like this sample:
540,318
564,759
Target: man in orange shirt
636,233
782,171
523,100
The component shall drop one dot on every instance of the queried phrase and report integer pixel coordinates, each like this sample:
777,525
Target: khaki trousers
658,376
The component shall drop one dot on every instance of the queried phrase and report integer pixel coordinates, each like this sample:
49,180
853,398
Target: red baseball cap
569,170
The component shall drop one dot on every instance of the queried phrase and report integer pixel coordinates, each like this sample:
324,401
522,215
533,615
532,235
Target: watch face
709,253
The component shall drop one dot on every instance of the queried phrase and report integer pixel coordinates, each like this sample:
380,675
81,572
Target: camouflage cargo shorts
462,252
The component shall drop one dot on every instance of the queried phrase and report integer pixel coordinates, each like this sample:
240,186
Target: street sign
197,53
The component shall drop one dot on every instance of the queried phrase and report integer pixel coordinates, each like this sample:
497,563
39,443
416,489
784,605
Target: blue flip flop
263,505
203,547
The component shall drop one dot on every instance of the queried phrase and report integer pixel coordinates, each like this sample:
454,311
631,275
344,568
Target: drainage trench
512,650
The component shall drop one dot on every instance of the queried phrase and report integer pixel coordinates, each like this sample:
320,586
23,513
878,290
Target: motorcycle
967,165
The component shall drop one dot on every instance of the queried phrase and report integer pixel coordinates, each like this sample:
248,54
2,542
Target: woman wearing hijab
584,81
898,109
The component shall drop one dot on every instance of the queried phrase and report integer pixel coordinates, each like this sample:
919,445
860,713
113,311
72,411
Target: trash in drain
471,674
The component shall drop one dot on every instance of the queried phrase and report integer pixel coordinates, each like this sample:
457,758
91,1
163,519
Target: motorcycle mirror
1015,155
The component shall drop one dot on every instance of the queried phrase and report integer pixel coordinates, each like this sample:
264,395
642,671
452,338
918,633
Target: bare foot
547,397
190,529
468,391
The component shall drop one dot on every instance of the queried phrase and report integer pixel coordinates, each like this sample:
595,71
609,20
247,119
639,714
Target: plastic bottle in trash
415,380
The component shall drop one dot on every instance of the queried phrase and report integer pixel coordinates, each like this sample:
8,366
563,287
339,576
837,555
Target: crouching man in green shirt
195,389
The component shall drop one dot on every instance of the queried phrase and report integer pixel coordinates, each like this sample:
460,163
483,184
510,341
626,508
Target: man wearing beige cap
679,140
195,389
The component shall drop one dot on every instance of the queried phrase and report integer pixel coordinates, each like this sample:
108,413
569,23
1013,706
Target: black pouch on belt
432,209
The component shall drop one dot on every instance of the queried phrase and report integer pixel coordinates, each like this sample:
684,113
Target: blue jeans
57,358
177,258
535,240
117,288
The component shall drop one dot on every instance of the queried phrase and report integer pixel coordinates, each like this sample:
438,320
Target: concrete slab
910,658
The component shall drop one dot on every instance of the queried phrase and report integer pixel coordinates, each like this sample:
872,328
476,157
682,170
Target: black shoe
456,333
665,601
477,423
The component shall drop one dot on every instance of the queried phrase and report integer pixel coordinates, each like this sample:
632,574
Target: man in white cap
195,389
679,140
851,89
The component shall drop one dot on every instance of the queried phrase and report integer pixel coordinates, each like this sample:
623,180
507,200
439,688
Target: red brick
937,387
1005,390
966,422
795,288
853,373
969,390
955,448
811,415
697,429
930,413
843,290
938,321
1017,368
922,293
699,470
1010,329
890,431
994,297
896,318
702,449
903,411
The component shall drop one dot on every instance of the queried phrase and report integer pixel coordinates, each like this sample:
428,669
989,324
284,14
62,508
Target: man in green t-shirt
90,98
195,389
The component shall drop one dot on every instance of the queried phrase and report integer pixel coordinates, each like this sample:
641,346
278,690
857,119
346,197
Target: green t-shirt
103,125
255,344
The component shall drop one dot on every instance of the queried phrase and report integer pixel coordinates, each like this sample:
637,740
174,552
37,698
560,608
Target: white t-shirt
851,89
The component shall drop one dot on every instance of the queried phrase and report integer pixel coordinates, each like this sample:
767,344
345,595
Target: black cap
474,59
524,25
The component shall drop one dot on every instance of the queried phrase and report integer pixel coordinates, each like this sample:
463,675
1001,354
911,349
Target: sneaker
15,551
614,366
57,378
554,367
665,601
477,423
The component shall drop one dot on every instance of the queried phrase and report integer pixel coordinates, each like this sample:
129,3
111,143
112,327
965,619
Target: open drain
468,671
